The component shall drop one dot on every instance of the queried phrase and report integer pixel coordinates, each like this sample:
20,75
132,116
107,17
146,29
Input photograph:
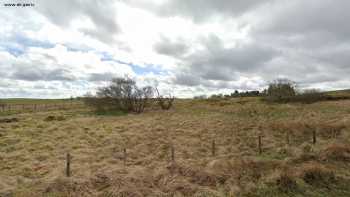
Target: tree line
280,90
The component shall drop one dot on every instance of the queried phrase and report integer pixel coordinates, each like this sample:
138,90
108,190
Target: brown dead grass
336,152
315,174
32,150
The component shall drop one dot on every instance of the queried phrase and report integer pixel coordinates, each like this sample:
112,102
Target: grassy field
14,101
33,151
21,105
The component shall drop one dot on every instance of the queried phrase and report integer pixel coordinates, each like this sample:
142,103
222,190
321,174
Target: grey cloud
335,56
187,79
312,23
201,10
313,38
29,73
219,63
172,48
101,76
313,16
101,13
218,66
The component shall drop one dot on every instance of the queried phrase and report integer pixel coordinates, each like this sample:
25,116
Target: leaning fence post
213,148
68,165
172,149
314,136
124,156
260,144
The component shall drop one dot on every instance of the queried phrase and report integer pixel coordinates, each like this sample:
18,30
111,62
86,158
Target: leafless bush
165,102
122,95
284,91
280,89
315,174
286,182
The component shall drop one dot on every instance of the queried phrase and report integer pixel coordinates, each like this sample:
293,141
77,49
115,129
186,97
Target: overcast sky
188,47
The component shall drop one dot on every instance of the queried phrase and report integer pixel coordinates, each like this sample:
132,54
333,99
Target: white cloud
59,48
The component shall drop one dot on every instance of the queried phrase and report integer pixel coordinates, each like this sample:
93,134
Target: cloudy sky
187,47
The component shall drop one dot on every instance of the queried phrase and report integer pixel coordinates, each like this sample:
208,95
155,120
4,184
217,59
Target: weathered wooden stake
34,107
68,165
288,138
334,133
314,136
172,153
260,144
213,148
124,156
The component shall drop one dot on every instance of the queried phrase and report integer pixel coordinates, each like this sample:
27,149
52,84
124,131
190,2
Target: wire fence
19,108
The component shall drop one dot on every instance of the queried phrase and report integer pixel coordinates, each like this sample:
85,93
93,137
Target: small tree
165,102
122,94
281,90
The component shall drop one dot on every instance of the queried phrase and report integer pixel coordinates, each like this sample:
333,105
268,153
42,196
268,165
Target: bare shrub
8,120
122,95
315,174
53,118
50,118
284,91
165,102
68,187
286,182
310,96
280,89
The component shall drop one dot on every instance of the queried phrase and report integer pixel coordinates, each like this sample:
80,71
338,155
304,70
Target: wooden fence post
172,149
68,165
213,148
124,156
34,107
314,136
260,144
287,137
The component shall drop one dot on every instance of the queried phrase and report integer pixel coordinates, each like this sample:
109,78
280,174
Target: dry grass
33,150
315,173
